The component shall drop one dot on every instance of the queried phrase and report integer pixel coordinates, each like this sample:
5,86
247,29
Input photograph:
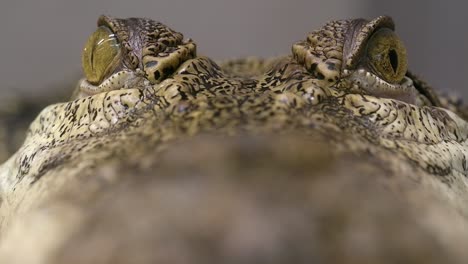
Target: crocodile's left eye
387,55
101,55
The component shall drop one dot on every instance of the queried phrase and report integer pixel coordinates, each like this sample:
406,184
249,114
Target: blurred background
41,41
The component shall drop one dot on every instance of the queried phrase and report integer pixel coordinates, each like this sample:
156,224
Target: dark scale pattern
150,45
322,52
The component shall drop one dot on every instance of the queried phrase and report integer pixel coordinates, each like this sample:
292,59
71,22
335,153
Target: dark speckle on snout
331,66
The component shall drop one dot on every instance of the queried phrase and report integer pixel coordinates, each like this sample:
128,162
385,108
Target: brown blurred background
41,41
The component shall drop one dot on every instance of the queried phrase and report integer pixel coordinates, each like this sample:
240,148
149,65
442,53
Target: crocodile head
345,89
142,78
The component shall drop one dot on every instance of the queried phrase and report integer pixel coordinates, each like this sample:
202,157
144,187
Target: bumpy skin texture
17,111
292,159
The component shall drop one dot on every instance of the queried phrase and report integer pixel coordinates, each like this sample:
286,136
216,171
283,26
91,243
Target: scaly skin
292,159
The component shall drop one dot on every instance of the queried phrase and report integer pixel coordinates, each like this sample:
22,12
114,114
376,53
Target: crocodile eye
387,55
100,55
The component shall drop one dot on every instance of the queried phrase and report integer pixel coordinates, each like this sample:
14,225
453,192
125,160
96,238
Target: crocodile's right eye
101,55
387,55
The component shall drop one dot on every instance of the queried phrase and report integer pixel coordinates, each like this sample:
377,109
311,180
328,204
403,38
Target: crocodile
336,153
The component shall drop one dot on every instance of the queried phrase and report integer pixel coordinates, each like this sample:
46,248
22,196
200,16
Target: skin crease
174,158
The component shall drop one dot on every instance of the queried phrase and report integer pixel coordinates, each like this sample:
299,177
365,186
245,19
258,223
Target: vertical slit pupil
393,56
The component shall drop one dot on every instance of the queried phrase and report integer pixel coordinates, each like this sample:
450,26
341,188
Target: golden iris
100,55
387,55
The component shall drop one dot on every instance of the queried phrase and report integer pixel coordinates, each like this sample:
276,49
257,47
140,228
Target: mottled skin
293,159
